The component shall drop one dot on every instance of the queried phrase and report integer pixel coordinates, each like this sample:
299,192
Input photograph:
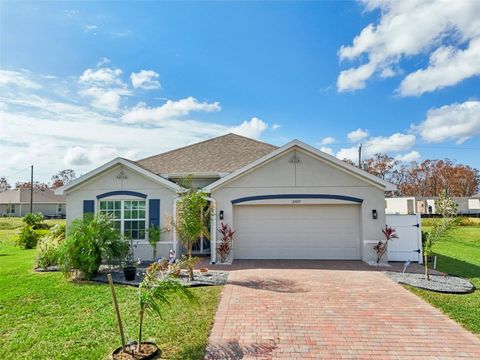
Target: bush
27,238
90,241
48,246
35,220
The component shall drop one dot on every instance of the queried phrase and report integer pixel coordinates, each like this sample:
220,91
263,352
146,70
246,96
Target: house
426,205
289,202
400,205
16,202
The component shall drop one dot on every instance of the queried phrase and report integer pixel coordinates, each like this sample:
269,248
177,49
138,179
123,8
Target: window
474,204
129,216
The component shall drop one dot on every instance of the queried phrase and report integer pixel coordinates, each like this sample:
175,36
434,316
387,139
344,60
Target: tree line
427,178
61,178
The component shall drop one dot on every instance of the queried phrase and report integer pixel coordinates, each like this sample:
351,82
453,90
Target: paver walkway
330,312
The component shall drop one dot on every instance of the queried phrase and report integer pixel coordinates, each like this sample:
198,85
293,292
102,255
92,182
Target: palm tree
155,292
190,224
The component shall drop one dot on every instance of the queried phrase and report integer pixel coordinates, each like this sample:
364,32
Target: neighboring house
16,202
426,205
400,205
292,202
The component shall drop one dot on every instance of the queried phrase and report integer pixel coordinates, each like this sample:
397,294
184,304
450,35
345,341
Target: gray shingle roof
223,154
17,196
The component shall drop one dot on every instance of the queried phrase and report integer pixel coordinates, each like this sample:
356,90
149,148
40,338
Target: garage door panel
297,232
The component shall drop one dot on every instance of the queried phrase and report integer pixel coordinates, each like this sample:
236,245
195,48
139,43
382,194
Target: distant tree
428,178
445,205
381,165
4,185
26,185
62,178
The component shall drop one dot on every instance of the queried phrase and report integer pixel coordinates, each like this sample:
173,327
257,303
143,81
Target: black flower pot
130,272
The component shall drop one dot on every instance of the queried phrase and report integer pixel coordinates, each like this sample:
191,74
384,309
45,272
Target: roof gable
331,160
223,154
127,163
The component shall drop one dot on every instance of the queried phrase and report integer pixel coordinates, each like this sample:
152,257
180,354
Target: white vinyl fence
408,246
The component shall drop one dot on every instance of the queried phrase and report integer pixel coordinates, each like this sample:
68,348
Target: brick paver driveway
332,310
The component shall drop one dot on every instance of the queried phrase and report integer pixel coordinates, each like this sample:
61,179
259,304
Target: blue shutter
154,212
88,207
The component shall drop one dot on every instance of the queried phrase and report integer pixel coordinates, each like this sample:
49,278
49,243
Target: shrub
35,220
48,246
225,245
27,238
90,241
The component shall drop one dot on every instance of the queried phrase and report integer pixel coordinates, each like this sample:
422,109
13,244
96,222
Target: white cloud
384,144
95,154
105,99
103,60
252,129
104,86
408,157
395,143
327,150
409,28
60,133
456,122
348,153
145,79
104,76
276,126
89,27
75,156
357,135
16,78
170,110
448,66
327,140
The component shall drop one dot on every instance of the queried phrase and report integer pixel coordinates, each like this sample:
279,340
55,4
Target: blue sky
83,82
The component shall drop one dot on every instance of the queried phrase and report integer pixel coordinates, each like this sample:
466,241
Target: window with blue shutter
88,207
154,212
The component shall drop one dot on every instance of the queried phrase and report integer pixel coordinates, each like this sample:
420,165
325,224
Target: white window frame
122,215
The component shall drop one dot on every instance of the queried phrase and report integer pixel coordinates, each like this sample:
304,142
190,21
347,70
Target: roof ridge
202,142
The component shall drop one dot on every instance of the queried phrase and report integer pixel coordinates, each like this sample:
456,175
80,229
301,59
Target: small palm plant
154,235
382,246
192,215
155,292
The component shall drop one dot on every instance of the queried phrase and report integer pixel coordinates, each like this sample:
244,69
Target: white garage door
297,232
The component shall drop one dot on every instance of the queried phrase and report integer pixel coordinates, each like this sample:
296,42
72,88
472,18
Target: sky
84,82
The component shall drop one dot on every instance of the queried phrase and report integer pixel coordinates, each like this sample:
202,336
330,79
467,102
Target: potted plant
154,293
129,268
225,245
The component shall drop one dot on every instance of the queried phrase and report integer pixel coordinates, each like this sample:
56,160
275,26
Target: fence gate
408,246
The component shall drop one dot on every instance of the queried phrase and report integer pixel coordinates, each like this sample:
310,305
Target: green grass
44,316
458,253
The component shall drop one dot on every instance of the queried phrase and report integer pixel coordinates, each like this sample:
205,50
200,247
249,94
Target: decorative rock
438,283
212,278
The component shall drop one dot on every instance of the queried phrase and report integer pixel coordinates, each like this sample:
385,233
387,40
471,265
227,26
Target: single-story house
426,205
288,202
16,202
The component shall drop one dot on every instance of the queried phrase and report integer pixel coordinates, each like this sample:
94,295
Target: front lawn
458,253
44,316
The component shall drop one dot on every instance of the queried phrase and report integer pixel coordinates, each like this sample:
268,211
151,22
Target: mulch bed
212,278
444,284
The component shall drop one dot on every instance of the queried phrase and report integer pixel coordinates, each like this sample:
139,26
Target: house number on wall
296,201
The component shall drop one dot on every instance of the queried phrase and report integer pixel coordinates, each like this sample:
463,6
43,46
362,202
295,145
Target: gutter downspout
174,217
213,230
